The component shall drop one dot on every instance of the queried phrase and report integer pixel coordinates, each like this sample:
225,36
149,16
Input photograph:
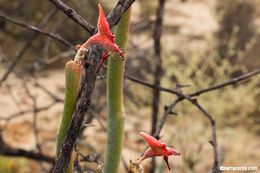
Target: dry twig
38,30
27,45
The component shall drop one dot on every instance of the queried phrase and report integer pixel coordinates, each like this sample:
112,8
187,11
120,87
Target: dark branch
82,106
199,92
33,28
150,85
72,14
116,13
227,83
215,167
113,17
158,72
7,151
167,112
182,97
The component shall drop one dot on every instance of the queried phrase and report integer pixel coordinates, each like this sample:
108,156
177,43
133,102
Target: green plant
73,70
115,99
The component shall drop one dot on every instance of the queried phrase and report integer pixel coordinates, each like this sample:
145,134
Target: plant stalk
115,104
73,73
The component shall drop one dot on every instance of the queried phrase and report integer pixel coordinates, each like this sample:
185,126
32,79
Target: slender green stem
115,99
72,81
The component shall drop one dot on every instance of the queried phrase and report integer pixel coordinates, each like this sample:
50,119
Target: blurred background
203,43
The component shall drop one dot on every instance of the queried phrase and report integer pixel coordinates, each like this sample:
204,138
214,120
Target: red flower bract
157,148
104,37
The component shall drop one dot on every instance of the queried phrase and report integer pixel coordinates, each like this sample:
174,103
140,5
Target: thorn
179,86
172,113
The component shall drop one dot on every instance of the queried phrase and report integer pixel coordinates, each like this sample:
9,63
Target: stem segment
73,72
115,99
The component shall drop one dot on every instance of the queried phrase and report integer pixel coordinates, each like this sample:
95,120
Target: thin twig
7,151
215,167
34,28
27,45
54,29
158,72
72,14
182,97
34,124
23,112
34,106
113,17
158,65
165,115
227,83
40,86
199,92
11,94
150,85
44,89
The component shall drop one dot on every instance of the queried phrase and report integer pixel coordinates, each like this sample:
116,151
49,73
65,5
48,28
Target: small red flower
104,37
157,148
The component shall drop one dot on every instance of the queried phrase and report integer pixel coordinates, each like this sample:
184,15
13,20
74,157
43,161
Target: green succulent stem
73,73
116,115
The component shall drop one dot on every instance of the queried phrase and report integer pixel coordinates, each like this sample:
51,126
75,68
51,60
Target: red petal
103,26
104,37
166,161
154,143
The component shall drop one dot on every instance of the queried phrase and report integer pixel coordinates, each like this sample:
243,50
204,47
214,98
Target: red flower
104,37
157,148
